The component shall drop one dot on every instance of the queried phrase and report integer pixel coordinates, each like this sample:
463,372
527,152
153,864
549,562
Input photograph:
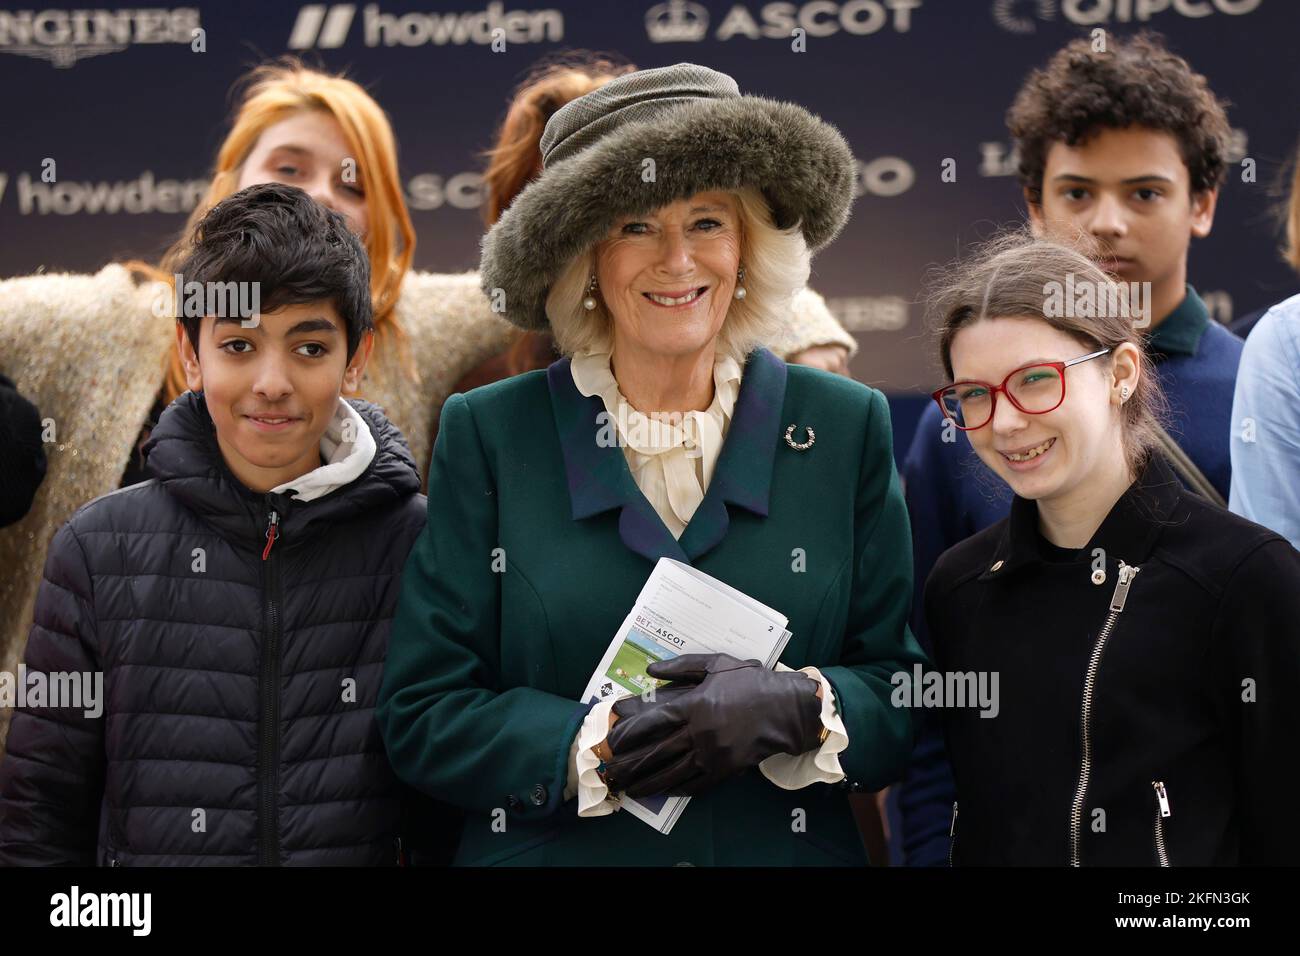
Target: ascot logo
1017,16
681,21
326,27
65,36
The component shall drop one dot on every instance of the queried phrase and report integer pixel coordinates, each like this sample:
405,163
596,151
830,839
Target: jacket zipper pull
272,532
1163,797
1126,575
953,827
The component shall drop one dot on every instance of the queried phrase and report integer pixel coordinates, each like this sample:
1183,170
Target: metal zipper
1126,575
1162,811
268,841
952,833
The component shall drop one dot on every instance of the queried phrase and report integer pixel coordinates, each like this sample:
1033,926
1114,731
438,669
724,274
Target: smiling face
1129,190
667,278
308,150
273,389
1081,441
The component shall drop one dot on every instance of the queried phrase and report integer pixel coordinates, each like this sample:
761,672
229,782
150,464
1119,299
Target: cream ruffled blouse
671,463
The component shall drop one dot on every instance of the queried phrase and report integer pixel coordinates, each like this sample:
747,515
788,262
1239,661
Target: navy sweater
951,495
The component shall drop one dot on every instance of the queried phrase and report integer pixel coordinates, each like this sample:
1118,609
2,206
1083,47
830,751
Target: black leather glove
648,756
719,717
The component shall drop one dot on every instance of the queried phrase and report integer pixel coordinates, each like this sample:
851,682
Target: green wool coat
490,649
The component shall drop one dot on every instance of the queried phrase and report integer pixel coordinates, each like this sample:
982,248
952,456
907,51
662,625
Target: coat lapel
598,475
599,478
743,475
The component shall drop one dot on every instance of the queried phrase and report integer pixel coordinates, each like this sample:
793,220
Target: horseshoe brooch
800,446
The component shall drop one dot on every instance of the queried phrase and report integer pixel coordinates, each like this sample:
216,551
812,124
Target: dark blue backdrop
909,82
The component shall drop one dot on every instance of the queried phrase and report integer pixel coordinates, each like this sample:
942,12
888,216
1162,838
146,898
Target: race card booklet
681,610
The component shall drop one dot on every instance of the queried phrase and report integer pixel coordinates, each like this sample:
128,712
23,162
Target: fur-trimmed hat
701,133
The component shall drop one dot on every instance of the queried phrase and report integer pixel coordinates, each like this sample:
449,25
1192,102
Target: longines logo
326,27
683,21
65,36
1021,16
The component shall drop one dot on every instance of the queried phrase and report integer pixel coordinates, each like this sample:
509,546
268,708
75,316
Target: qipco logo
1088,12
1019,16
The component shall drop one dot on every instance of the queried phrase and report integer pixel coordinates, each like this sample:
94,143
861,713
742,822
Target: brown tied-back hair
515,160
1007,277
1135,82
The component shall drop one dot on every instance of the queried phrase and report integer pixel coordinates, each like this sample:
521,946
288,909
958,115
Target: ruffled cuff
594,798
795,771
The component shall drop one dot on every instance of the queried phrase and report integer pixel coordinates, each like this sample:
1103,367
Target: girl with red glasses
1146,642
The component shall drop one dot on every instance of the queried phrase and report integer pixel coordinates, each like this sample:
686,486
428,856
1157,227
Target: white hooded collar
347,448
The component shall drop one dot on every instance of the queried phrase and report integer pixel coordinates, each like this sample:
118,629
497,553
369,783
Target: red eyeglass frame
1060,367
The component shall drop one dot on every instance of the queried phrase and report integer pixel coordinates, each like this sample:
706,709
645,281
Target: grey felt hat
702,135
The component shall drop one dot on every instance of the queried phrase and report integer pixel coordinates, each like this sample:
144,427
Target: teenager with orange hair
326,135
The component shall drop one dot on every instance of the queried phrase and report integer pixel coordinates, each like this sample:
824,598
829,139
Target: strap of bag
1192,476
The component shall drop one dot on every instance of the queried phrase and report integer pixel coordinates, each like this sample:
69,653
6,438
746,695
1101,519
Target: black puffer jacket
1140,725
238,709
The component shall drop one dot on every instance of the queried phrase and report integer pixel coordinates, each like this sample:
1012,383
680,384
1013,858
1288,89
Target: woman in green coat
662,244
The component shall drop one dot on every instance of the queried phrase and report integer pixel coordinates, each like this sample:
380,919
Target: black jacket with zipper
239,679
1146,728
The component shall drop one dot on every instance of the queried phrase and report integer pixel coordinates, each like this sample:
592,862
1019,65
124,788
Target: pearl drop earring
740,288
589,303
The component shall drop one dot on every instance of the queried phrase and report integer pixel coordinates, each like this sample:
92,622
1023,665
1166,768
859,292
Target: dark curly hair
1136,82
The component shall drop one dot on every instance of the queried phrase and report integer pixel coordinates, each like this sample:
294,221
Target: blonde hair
776,263
1291,250
274,92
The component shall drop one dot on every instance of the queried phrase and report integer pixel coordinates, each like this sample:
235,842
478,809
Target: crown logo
677,21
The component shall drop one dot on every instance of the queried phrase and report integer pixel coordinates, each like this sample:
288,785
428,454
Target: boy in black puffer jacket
208,645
